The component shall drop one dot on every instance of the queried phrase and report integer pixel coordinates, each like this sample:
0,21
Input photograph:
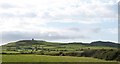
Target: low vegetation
100,51
43,58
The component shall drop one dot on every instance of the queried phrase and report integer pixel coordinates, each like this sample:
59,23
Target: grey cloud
74,29
96,30
93,30
7,6
6,15
47,15
29,15
17,35
9,15
95,16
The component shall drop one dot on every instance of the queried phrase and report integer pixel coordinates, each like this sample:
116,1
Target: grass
44,58
10,52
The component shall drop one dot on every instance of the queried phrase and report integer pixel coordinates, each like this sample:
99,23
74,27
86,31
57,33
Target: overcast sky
59,20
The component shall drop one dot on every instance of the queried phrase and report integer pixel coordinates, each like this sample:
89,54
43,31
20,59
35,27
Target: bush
88,53
118,58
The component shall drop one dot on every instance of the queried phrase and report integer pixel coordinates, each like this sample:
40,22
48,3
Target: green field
42,51
44,58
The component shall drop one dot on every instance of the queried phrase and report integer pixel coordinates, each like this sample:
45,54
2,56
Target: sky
59,20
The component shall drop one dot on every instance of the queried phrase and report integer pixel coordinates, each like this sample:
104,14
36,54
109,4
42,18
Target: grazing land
42,51
44,58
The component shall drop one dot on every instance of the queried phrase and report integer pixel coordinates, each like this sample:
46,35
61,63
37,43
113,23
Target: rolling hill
97,49
42,42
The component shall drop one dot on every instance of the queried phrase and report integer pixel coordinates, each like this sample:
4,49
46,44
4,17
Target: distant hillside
42,42
102,43
99,43
29,42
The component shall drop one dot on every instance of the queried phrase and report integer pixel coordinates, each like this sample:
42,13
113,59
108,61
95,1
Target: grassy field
37,51
43,58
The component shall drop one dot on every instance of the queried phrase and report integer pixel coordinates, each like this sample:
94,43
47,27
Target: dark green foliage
105,54
71,54
118,58
88,53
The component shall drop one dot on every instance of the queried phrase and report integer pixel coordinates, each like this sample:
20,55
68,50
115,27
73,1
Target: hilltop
42,42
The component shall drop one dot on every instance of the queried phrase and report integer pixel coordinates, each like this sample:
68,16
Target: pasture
45,58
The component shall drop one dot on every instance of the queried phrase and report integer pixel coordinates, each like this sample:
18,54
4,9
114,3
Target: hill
99,43
42,42
97,49
102,43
